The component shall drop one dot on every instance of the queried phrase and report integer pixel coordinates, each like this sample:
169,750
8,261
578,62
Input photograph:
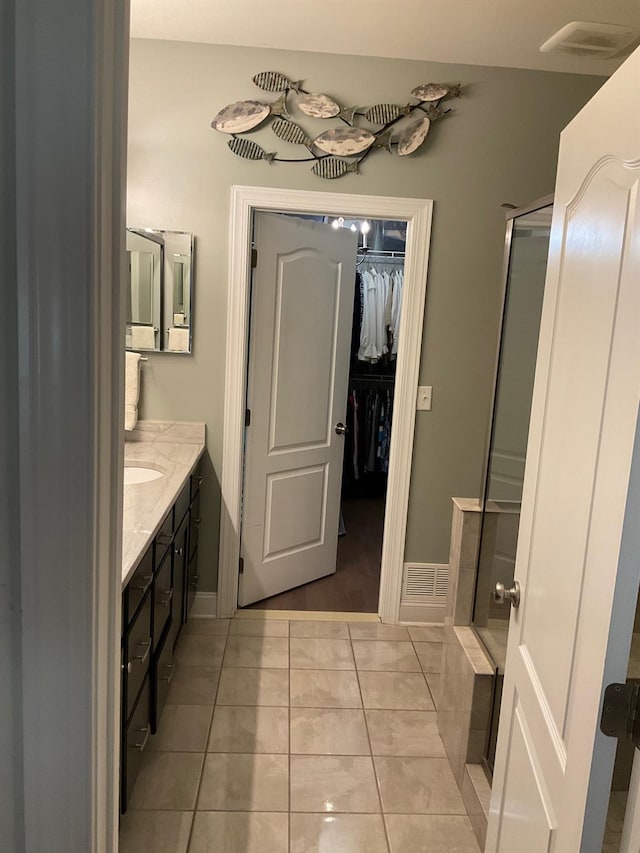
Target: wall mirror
159,290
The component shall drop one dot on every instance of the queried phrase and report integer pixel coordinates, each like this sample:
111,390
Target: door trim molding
418,215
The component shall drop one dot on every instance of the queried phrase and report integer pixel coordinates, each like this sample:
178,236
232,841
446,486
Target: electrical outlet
424,398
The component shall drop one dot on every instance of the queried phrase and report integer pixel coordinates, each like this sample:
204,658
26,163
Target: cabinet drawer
134,743
162,595
163,539
182,504
137,588
162,673
196,480
194,525
137,650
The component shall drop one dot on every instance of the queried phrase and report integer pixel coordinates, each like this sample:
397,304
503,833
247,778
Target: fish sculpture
435,113
319,106
347,113
249,150
413,136
334,167
384,113
241,116
291,132
345,141
272,81
279,107
384,140
436,91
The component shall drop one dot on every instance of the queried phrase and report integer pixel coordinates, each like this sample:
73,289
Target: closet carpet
355,587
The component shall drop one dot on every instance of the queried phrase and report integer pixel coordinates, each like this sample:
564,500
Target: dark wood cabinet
180,557
155,604
135,738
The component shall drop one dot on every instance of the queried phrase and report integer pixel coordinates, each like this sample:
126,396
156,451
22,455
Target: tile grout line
366,726
204,757
424,674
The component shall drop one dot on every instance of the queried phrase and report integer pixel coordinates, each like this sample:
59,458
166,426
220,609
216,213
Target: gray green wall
500,145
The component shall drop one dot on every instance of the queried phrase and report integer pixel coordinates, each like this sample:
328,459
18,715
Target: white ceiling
506,33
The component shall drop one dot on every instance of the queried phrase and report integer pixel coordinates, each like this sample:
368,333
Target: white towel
179,340
131,389
143,337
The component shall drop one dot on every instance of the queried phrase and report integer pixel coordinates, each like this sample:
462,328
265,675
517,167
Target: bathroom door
579,540
301,319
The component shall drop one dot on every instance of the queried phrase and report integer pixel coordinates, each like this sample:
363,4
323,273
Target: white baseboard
415,614
205,605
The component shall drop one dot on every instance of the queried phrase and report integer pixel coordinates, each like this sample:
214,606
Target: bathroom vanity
161,520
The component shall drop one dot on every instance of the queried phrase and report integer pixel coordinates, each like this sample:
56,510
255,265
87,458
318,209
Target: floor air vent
582,38
425,583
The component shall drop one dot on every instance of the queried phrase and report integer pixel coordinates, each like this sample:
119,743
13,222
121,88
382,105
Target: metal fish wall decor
384,113
345,141
249,149
290,132
334,167
319,106
272,81
389,128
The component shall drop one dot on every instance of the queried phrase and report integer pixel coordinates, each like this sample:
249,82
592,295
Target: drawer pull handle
169,678
145,739
127,667
179,552
169,595
146,580
197,523
142,659
199,480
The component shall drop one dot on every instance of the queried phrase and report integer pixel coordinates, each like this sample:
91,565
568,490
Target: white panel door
300,338
577,558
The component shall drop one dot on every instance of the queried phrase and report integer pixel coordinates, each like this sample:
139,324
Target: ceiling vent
582,38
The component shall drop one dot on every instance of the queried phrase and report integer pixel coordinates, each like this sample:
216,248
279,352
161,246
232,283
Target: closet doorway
325,314
379,381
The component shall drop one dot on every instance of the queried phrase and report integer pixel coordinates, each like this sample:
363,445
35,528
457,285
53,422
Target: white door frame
418,214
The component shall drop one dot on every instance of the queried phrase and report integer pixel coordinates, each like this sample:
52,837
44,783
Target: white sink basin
134,475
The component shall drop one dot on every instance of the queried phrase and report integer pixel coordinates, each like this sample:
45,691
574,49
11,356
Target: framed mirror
160,290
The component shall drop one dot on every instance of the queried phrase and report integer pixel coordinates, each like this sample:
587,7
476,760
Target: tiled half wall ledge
466,686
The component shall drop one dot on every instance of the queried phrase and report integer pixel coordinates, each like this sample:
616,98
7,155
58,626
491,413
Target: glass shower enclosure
526,250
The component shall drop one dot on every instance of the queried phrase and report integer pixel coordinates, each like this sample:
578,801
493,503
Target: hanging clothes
369,419
378,298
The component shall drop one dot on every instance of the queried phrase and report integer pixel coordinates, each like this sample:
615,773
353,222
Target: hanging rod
391,253
376,377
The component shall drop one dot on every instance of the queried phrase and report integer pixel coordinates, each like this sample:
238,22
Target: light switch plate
424,398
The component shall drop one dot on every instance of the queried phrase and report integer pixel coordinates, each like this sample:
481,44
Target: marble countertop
170,447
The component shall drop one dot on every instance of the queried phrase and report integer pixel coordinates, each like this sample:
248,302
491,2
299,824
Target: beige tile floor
299,737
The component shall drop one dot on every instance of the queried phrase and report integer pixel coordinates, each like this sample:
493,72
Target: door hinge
247,417
254,258
241,566
620,712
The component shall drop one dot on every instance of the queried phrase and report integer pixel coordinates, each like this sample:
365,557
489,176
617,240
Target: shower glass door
527,245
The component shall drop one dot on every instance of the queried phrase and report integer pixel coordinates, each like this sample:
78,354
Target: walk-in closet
368,423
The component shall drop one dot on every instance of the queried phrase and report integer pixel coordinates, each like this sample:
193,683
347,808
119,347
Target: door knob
501,594
340,428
